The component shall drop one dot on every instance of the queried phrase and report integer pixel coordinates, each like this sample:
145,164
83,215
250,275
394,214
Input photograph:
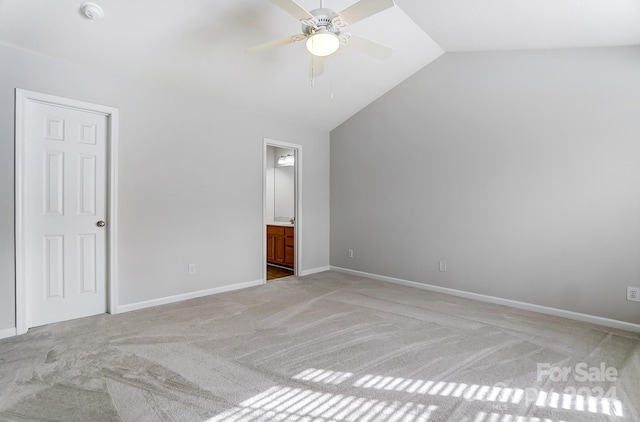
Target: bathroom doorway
281,209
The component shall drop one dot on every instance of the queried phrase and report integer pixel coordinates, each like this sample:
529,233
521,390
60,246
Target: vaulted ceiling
199,46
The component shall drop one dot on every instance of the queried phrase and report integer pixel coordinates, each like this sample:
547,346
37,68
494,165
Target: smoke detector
92,11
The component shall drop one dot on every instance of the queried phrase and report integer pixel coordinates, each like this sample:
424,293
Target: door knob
100,223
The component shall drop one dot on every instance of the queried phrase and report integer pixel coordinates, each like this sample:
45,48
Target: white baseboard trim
593,319
186,296
8,332
314,271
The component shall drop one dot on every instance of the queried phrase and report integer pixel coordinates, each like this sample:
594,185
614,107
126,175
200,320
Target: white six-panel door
64,199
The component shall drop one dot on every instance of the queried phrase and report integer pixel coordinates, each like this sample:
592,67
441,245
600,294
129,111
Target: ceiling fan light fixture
323,43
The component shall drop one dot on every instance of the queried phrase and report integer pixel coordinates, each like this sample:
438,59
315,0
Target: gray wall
177,203
520,169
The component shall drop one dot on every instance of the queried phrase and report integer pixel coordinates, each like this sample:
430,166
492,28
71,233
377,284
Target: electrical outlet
192,269
443,266
633,294
350,253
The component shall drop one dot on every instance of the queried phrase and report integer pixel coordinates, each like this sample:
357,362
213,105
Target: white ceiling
198,46
476,25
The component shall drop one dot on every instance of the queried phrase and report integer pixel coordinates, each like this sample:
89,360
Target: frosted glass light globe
323,43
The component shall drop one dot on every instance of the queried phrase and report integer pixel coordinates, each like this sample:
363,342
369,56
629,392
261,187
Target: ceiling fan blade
317,66
273,44
293,8
363,9
367,46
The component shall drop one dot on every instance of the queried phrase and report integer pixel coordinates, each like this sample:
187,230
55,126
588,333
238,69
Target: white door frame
297,171
23,98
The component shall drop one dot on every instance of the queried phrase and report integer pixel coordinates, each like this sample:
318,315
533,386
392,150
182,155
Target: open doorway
281,207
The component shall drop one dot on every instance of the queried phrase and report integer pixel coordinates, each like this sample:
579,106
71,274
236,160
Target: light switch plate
443,266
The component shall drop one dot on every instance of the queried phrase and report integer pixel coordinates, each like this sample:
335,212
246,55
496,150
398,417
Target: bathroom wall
284,192
280,186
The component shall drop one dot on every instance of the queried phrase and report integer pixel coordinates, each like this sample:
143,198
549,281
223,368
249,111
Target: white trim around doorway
298,203
23,97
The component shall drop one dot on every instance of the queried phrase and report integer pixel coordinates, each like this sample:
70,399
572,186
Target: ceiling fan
323,31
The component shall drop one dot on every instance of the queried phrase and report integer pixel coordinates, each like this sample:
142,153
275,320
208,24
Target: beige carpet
327,347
